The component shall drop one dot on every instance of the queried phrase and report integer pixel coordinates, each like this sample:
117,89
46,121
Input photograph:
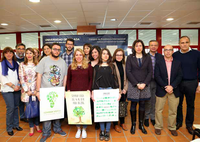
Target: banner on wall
51,103
78,107
112,42
106,105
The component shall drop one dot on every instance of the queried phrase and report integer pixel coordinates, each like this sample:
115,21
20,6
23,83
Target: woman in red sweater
79,78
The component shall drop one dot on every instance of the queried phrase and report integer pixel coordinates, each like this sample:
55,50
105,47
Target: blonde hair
39,57
84,61
35,61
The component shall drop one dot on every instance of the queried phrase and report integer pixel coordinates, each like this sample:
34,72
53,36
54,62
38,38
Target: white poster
51,103
78,107
106,105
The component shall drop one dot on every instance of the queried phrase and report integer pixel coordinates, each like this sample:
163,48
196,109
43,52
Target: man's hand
169,89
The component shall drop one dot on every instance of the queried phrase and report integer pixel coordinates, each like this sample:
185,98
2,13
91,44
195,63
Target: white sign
78,107
51,103
106,105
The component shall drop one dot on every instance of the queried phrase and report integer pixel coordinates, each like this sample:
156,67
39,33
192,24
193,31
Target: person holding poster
86,48
27,75
79,78
105,78
94,60
139,72
52,72
119,62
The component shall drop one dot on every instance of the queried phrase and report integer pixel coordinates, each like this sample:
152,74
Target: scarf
5,65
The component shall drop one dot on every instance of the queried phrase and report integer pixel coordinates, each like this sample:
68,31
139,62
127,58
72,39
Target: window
192,34
131,35
102,32
170,37
7,40
146,36
68,32
45,33
30,40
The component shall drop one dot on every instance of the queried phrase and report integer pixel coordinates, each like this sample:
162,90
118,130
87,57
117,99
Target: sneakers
101,136
44,138
78,133
84,134
61,132
107,136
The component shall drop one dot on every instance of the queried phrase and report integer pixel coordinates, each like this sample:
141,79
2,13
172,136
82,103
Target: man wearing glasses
68,55
168,75
52,72
20,50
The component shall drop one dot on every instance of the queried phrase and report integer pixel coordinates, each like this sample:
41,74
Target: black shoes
107,136
146,122
178,125
141,127
101,136
97,126
190,130
24,119
153,122
132,131
10,133
17,128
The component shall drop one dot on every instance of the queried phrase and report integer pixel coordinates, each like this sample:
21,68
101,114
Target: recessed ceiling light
57,21
4,24
35,1
170,19
113,19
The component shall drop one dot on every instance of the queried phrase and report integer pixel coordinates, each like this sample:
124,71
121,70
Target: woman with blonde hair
27,75
37,54
79,78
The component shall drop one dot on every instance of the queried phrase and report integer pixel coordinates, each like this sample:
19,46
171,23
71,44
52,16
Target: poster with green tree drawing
78,107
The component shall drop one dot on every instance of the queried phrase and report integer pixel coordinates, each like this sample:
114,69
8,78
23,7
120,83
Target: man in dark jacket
168,75
150,104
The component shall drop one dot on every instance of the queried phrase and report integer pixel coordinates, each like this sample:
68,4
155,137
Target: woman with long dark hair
105,78
10,87
139,72
46,50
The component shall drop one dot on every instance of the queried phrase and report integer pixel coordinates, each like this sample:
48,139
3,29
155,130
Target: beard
54,55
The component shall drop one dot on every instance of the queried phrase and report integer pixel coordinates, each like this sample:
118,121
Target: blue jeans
84,126
33,121
21,108
102,124
47,127
12,104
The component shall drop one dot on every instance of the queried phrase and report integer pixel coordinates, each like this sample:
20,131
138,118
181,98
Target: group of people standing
147,79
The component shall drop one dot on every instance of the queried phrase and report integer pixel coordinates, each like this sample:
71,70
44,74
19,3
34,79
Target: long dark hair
143,47
109,61
90,54
43,54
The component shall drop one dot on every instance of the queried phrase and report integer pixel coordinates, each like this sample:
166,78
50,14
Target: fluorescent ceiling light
113,19
57,21
170,19
34,1
4,24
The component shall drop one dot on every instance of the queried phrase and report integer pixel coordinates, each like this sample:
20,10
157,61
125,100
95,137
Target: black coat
161,77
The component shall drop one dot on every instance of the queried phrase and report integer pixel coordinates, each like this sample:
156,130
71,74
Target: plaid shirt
67,58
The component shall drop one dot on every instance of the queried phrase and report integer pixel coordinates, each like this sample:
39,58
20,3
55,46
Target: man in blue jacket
168,75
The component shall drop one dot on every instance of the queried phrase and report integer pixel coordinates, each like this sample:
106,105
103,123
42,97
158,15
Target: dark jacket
161,77
136,74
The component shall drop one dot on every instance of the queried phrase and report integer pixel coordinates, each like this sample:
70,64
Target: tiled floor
125,136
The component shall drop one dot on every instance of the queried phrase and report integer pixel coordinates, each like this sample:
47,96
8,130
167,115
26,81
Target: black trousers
188,89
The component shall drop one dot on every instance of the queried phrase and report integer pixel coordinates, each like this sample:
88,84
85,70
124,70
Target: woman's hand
29,93
16,88
124,91
119,97
142,86
93,96
38,95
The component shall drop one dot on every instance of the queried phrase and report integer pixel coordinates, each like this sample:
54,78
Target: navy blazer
161,77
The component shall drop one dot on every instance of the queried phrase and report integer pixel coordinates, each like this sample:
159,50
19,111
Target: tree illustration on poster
52,97
79,112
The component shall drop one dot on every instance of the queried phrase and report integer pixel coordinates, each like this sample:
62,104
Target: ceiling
22,15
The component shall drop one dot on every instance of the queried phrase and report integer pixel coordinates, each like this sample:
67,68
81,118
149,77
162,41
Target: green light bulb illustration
52,97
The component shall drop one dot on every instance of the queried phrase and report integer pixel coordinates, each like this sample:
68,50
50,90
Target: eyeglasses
20,49
119,55
168,49
54,49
